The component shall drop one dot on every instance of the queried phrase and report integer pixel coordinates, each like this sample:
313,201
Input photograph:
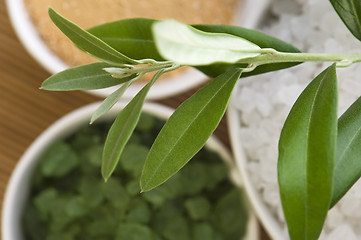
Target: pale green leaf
88,42
348,157
187,130
86,77
307,155
260,39
350,13
134,38
186,45
122,129
109,102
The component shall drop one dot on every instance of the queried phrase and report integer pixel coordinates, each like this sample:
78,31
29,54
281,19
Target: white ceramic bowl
18,187
263,213
28,35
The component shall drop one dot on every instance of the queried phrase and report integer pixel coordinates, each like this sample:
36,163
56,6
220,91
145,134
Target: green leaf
122,129
86,77
260,39
59,160
201,231
176,228
347,166
109,102
134,38
133,231
133,157
88,42
307,155
350,13
198,208
187,130
231,214
186,45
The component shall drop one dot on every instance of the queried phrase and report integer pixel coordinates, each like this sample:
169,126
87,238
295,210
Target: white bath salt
335,218
350,205
264,102
264,106
285,6
300,32
356,189
268,172
246,99
331,45
271,196
357,229
251,136
289,94
342,231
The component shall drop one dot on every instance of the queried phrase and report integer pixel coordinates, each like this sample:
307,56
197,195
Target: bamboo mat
26,111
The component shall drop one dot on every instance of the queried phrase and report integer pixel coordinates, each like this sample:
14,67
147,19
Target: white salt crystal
288,94
268,174
245,100
285,6
280,215
250,136
334,218
356,189
344,103
323,236
315,9
329,21
297,29
357,229
315,41
342,231
305,73
264,102
263,105
270,153
332,46
251,117
349,205
271,196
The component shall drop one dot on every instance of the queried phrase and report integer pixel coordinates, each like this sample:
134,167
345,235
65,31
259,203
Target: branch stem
272,56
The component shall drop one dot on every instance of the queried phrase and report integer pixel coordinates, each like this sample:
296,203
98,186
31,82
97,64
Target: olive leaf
85,77
260,39
88,42
307,155
187,130
347,165
350,13
109,102
186,45
134,38
122,129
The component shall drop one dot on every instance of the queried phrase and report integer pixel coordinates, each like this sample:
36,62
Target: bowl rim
16,190
261,210
38,49
186,80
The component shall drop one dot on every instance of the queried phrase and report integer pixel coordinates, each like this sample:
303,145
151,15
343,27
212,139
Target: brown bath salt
87,14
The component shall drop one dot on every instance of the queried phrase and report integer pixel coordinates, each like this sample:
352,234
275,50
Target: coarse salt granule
312,26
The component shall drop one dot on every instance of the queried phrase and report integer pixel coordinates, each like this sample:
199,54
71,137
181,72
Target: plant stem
272,56
151,67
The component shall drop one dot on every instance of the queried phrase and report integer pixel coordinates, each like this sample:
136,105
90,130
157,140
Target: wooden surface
26,111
